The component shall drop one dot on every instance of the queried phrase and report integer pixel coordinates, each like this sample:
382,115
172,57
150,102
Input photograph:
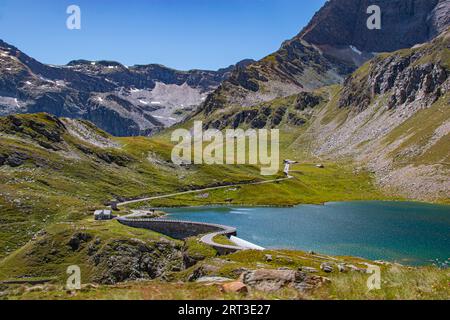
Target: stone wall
178,229
184,229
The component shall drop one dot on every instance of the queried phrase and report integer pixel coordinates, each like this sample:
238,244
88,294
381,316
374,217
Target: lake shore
371,229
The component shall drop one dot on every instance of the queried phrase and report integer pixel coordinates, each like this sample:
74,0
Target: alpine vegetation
320,171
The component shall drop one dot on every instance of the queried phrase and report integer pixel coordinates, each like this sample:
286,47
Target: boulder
16,159
326,267
239,271
268,280
234,287
272,280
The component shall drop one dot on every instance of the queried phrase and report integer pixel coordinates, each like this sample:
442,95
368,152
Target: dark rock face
274,280
296,66
307,100
246,78
267,115
47,136
440,18
332,46
146,76
13,160
422,81
257,118
77,239
403,75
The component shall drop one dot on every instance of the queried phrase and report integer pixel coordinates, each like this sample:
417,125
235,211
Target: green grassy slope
62,177
335,182
61,245
69,178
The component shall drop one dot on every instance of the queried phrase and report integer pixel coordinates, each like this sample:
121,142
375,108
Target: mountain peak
404,24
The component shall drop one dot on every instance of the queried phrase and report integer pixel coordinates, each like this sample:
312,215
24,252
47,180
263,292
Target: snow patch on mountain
354,49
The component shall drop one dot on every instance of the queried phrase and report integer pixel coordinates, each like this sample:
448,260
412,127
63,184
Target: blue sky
183,34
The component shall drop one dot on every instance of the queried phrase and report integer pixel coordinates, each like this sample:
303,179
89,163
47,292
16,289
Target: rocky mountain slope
393,116
330,47
404,23
122,100
390,116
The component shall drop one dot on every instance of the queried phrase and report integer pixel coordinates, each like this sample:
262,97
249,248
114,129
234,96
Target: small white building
103,215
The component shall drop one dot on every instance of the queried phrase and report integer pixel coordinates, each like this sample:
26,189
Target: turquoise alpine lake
403,232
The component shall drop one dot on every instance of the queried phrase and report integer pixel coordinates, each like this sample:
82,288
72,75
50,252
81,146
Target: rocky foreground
118,262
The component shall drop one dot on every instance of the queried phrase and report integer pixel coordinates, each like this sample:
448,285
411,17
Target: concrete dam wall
181,230
178,229
184,229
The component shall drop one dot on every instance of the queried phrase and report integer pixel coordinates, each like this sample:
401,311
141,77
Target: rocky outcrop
46,130
297,66
326,267
14,159
274,280
257,118
124,260
293,110
306,100
66,137
394,121
202,271
77,239
439,20
407,77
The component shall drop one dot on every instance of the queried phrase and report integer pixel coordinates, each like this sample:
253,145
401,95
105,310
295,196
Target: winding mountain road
121,204
208,238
